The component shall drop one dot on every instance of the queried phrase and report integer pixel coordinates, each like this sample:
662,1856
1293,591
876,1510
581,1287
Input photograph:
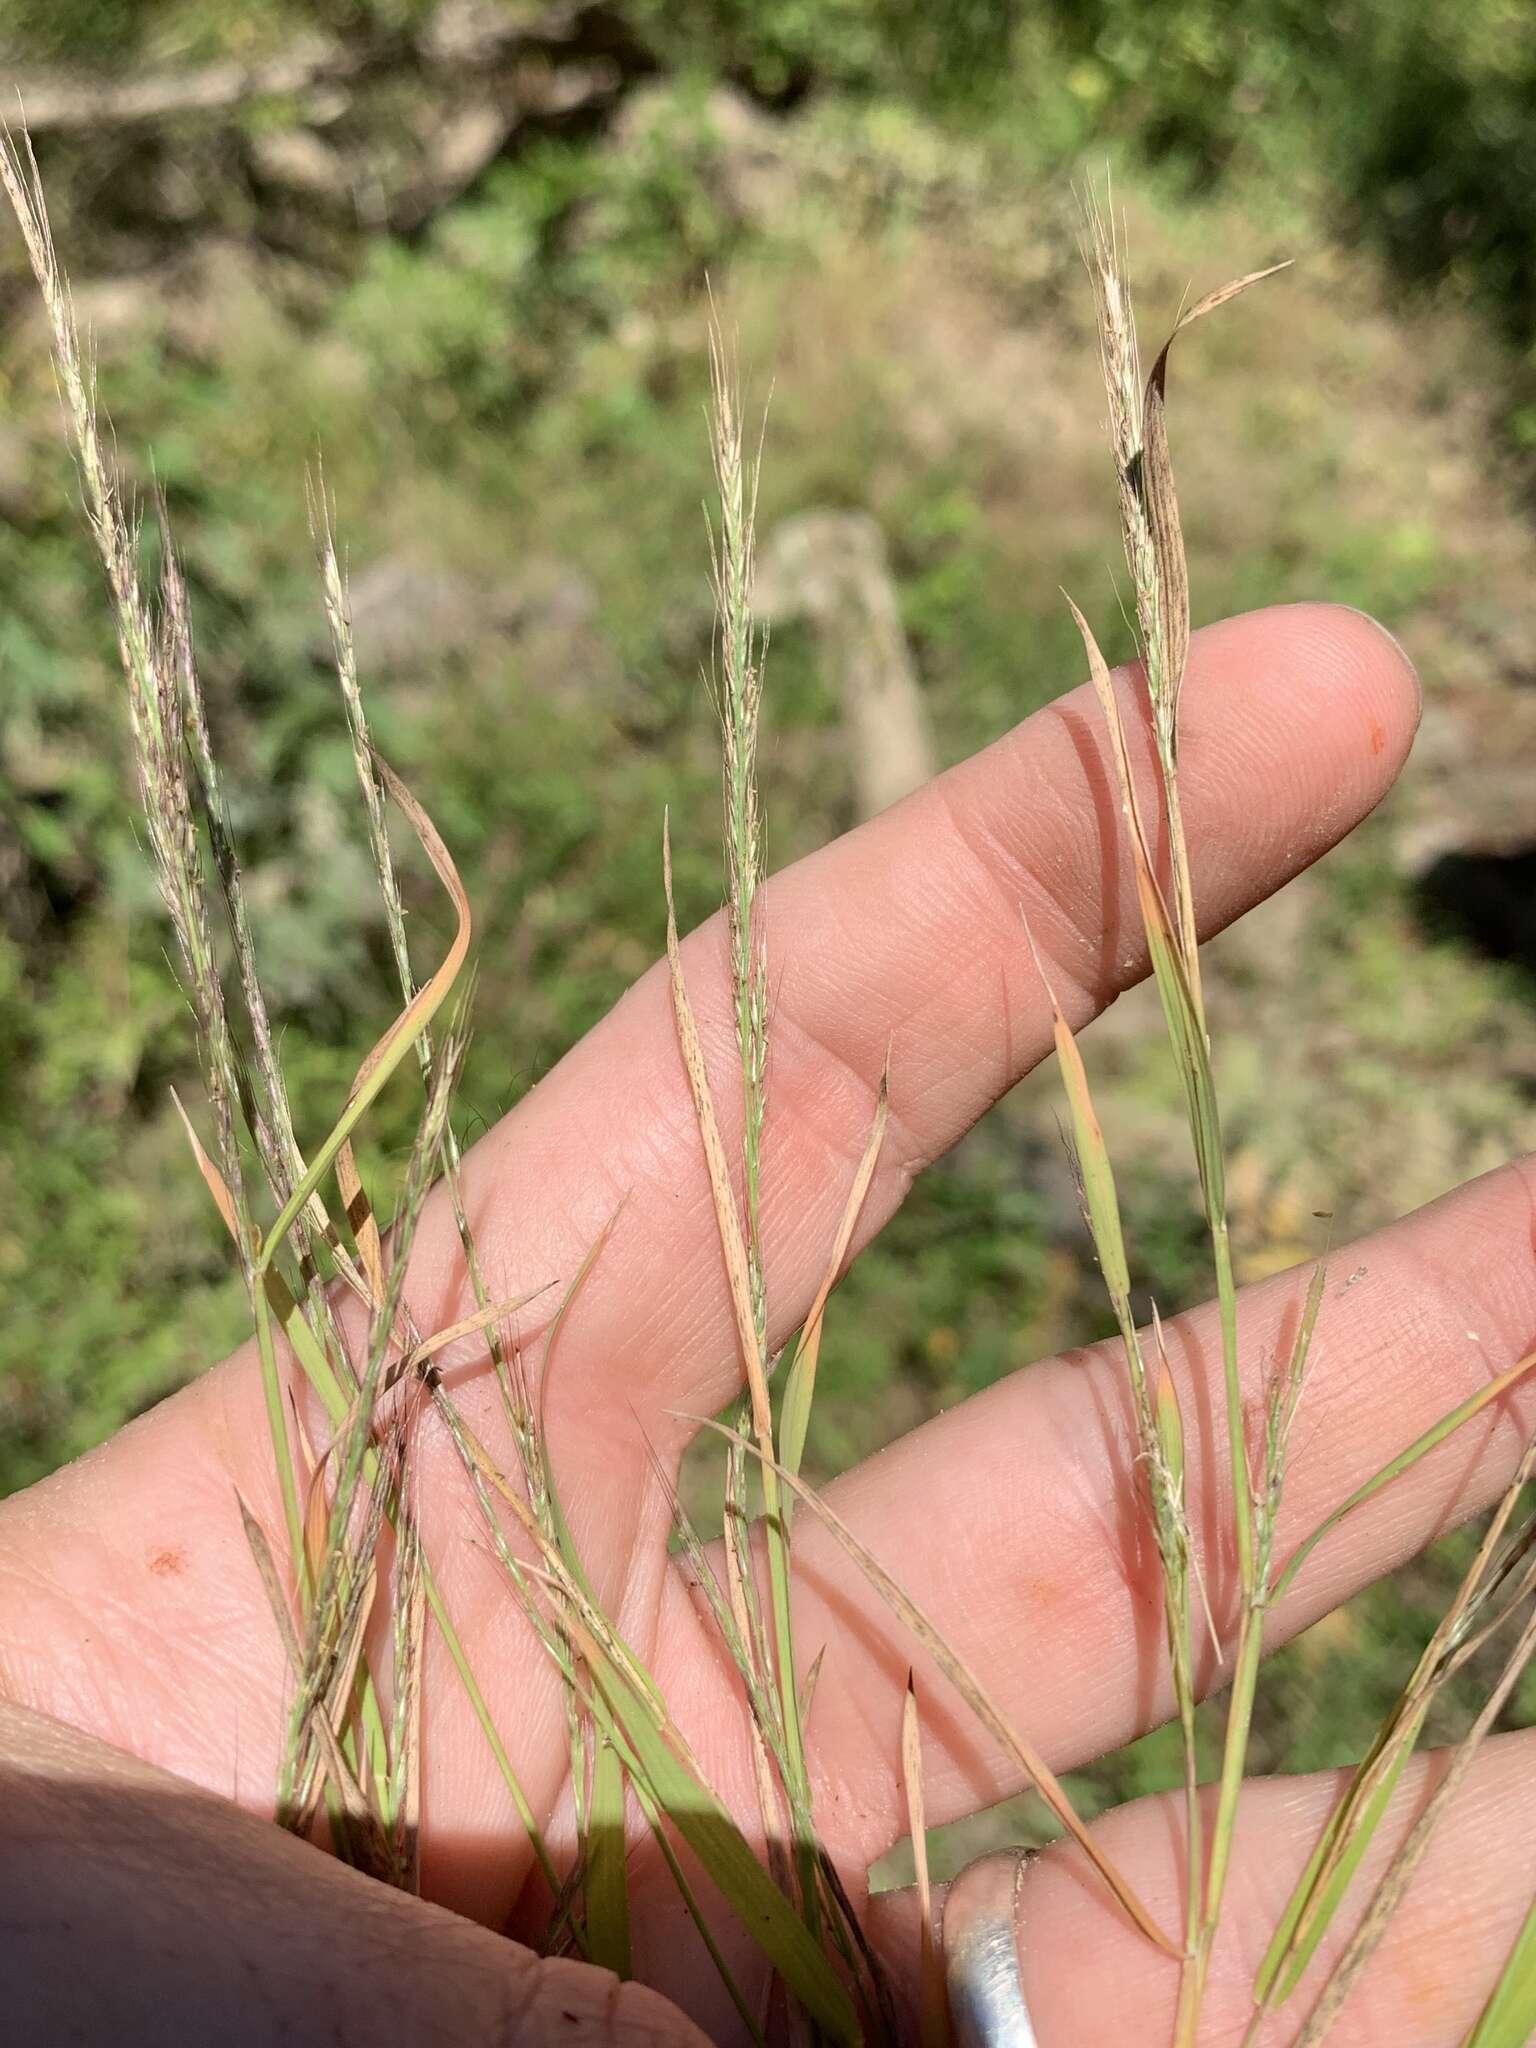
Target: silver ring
981,1955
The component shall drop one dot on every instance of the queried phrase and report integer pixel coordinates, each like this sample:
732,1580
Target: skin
139,1658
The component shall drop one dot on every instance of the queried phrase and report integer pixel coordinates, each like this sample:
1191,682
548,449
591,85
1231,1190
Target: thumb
136,1907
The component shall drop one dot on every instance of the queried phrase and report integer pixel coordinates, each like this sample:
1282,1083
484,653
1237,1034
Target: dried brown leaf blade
933,2003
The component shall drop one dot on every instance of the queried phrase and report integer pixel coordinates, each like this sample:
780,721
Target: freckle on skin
1378,737
168,1564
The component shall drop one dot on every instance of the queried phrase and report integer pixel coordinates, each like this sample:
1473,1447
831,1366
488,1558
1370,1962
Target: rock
755,174
745,150
465,32
108,309
406,616
550,611
461,34
297,160
463,135
545,592
460,141
832,569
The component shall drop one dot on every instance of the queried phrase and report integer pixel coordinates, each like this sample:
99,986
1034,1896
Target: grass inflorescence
1155,556
345,1570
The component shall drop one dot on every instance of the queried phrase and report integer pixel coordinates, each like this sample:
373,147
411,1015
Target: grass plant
351,1588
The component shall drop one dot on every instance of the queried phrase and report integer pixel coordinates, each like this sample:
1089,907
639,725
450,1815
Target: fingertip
1405,671
1367,663
1340,675
1296,721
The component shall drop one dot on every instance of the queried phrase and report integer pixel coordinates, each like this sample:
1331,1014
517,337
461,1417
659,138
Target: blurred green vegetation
508,390
1413,121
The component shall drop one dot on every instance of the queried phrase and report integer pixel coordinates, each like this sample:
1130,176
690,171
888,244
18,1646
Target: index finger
905,937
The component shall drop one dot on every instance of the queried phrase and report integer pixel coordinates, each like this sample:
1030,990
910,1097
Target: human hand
131,1615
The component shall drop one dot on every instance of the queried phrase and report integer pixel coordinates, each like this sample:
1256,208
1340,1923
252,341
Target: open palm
131,1615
